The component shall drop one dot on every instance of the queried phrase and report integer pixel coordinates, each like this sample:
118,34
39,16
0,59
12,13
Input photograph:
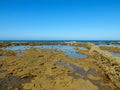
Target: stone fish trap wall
109,63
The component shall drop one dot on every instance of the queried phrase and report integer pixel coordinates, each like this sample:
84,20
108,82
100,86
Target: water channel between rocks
81,73
112,53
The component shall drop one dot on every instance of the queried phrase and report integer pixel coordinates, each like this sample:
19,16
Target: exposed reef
108,63
49,69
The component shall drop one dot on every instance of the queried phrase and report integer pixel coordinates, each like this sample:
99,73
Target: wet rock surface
48,69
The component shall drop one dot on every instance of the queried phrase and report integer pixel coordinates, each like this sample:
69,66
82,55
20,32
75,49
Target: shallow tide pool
112,53
68,50
2,57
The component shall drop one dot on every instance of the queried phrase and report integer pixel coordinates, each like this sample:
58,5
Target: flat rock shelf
82,66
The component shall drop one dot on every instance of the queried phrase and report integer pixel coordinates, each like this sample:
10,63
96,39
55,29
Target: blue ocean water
86,41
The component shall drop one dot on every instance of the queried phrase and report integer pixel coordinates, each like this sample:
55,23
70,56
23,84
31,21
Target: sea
75,41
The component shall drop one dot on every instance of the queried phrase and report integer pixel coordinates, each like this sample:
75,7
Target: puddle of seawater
93,72
114,54
82,48
78,70
2,57
62,63
17,48
19,54
74,54
100,84
81,73
68,50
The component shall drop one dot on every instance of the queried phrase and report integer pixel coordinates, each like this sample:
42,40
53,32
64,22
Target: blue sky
60,19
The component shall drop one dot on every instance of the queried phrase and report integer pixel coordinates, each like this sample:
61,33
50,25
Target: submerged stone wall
109,63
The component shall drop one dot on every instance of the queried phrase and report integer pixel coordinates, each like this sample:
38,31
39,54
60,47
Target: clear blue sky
60,19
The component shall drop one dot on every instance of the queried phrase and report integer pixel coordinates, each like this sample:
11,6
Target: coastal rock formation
48,69
40,70
108,63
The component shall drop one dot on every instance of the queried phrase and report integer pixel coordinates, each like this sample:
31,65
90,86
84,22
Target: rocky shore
108,63
48,69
